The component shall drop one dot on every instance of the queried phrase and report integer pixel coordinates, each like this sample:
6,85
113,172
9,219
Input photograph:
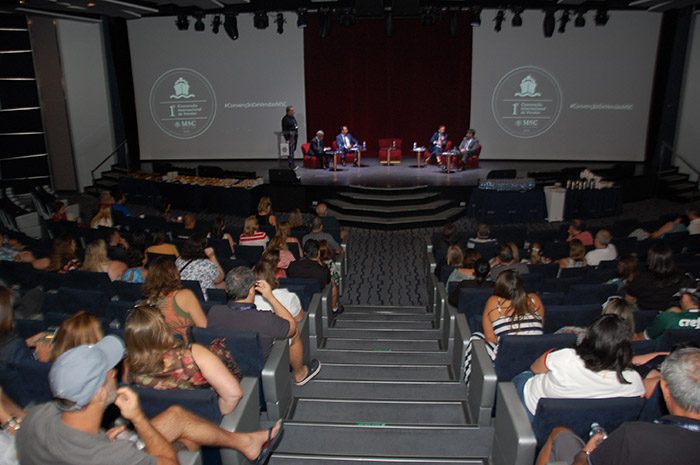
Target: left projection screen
203,96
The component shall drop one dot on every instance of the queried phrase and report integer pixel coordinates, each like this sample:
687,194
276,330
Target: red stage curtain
403,86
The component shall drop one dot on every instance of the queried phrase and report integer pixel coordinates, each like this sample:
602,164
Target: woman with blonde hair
285,230
251,235
265,216
96,259
296,222
163,289
80,328
155,359
577,256
103,218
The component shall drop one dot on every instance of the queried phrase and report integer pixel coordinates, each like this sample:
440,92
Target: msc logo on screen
182,103
526,102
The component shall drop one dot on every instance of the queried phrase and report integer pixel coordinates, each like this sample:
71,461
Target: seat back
471,304
193,286
249,253
516,353
559,316
305,148
93,280
222,247
128,291
675,336
578,414
202,402
591,293
547,270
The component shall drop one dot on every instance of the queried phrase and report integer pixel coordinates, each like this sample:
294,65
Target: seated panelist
345,142
318,150
438,143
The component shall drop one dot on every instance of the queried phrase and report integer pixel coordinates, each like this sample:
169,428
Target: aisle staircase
388,392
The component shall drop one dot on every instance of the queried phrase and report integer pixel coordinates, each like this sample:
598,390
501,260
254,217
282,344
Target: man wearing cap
83,382
685,317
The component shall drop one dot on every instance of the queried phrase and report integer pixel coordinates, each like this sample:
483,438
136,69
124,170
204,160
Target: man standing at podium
290,131
345,142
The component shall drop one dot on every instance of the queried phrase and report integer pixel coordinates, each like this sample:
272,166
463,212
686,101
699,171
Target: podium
555,199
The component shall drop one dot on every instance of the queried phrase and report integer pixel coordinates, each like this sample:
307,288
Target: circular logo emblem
526,102
183,104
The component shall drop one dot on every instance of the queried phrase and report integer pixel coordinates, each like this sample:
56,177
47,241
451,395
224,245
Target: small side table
419,155
335,158
358,155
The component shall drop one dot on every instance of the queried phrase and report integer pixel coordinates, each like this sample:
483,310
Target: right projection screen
583,94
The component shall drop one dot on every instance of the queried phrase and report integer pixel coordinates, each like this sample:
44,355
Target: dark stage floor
404,174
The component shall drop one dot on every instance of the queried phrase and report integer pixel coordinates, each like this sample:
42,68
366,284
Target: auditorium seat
472,162
349,157
426,155
310,161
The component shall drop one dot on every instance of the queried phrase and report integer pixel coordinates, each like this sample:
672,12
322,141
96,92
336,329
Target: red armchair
384,144
310,161
427,160
349,157
472,162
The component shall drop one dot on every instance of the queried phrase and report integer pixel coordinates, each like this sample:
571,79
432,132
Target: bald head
322,209
602,239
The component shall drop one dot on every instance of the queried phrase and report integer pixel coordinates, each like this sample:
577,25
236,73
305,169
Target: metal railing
126,151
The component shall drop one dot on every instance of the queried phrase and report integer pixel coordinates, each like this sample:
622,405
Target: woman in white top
600,366
264,271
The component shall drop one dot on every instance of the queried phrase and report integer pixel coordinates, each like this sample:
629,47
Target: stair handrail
674,154
126,149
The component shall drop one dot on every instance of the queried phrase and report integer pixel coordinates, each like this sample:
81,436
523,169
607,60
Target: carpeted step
364,333
373,372
398,390
300,459
386,441
384,356
426,345
376,325
387,412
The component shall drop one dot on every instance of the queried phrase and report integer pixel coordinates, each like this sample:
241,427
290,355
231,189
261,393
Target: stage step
386,412
405,222
379,199
389,211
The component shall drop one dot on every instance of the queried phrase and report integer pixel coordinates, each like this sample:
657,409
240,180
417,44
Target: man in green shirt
685,317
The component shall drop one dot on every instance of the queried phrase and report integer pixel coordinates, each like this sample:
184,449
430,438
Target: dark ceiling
134,9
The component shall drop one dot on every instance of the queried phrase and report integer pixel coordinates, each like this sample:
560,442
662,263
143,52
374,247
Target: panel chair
389,150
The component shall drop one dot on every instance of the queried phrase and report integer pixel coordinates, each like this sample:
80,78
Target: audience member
157,360
58,210
285,230
506,261
198,263
164,208
694,217
483,234
600,366
241,314
63,258
218,231
116,244
251,235
615,305
604,250
653,288
577,230
479,281
511,310
279,243
329,222
96,260
13,350
296,222
83,382
687,316
318,234
76,330
119,204
189,225
11,416
265,216
672,438
272,256
159,246
103,218
326,256
136,261
534,255
577,256
266,272
310,266
163,289
464,270
627,268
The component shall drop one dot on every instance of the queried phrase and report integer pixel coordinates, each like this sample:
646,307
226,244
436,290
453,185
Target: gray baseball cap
79,373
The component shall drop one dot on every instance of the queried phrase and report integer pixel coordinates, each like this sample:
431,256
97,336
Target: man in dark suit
468,147
438,143
345,142
290,131
318,150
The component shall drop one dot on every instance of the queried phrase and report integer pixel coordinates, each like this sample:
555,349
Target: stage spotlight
548,24
347,18
231,25
389,24
260,20
301,18
429,17
454,23
199,22
476,17
500,17
216,24
601,18
517,20
280,23
563,21
580,21
325,21
182,23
